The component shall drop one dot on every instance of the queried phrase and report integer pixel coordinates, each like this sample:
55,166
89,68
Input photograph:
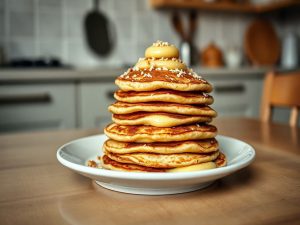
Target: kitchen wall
34,28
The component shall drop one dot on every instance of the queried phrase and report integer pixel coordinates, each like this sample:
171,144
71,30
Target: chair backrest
283,90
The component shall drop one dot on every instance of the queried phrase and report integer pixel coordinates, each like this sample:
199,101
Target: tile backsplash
42,28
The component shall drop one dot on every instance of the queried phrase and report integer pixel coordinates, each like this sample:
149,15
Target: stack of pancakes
161,118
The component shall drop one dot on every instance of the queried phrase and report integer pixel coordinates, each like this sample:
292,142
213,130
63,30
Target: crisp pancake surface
157,78
163,95
220,161
110,164
125,108
199,146
159,134
163,160
158,119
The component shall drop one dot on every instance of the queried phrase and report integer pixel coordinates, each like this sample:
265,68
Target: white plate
75,155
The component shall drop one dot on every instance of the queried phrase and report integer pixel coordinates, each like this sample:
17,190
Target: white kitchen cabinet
237,97
37,106
93,101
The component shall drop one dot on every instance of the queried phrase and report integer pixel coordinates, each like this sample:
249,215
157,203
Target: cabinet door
237,97
37,107
94,99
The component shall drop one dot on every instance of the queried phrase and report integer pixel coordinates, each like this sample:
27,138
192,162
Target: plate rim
154,175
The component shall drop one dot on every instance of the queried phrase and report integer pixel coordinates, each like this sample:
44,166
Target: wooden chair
281,90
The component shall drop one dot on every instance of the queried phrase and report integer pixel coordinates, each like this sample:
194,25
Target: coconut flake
160,44
126,72
147,75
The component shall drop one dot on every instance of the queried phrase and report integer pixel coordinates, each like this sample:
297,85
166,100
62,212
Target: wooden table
36,189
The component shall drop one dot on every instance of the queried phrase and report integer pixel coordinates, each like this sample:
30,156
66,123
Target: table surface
36,189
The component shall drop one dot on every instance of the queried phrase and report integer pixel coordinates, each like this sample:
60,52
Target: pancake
199,146
125,108
110,164
163,95
163,160
148,134
221,161
157,78
159,119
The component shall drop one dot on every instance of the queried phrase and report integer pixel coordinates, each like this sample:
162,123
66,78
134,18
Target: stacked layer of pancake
161,118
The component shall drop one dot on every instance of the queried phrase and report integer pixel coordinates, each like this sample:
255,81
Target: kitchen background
46,29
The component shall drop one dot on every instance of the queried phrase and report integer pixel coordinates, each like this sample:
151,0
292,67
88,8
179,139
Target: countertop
109,74
36,189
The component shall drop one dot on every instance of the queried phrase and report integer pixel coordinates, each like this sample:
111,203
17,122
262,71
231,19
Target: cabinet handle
110,95
22,99
239,88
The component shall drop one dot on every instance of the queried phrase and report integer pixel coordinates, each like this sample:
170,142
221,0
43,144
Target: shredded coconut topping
179,73
160,44
126,72
195,75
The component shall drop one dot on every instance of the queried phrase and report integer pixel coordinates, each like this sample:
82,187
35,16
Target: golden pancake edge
163,160
150,80
148,134
158,119
126,108
164,95
110,164
197,146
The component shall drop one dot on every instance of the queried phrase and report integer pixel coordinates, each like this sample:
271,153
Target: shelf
223,6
